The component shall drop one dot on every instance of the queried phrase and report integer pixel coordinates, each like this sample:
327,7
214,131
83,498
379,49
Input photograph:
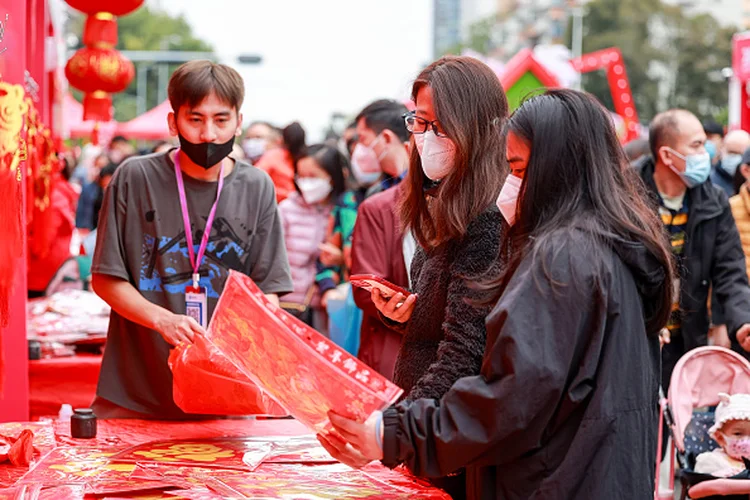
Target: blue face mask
697,168
730,162
711,149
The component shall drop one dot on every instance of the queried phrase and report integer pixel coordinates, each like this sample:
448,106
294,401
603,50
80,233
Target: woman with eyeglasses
566,404
457,167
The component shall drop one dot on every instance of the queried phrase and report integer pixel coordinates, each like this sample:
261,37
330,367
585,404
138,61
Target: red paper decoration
98,69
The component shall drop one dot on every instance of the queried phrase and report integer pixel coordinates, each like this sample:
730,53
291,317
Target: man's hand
178,328
743,336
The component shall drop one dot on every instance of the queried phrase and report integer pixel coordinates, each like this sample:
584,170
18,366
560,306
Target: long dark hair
578,177
294,140
333,161
471,106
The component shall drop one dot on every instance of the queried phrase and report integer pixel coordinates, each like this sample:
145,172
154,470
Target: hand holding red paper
393,301
353,443
178,328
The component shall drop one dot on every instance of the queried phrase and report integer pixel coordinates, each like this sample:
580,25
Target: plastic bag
205,382
345,322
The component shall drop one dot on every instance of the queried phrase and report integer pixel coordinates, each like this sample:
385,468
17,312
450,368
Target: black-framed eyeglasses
417,125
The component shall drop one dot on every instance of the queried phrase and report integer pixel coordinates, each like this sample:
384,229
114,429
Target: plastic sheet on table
312,482
205,382
307,374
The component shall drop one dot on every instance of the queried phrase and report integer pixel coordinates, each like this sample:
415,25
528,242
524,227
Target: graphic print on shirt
225,251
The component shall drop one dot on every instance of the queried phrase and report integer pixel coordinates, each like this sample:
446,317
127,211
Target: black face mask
205,154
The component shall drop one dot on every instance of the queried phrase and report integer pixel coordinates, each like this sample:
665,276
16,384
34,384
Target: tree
672,58
145,29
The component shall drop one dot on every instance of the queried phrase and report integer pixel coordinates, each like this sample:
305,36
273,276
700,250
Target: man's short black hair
710,127
116,139
386,114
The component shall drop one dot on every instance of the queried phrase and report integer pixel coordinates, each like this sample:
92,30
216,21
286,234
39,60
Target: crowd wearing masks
550,279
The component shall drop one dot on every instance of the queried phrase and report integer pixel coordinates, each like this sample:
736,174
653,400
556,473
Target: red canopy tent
150,126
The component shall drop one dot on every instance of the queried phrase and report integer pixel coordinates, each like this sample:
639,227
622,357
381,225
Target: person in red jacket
49,239
378,244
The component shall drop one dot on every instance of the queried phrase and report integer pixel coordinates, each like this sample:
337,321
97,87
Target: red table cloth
77,467
56,381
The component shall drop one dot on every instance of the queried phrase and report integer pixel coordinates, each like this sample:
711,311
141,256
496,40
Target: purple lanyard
196,262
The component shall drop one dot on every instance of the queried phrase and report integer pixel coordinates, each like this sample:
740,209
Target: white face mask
314,189
366,158
507,201
363,178
254,147
437,154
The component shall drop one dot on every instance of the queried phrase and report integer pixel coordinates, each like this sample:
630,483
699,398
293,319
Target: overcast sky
318,56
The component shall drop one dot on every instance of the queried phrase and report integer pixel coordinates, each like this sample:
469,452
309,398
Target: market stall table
68,468
57,381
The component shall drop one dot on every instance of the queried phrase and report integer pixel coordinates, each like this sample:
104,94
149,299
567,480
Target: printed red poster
305,372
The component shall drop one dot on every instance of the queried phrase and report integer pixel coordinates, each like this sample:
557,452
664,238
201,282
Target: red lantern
98,69
99,72
114,7
90,70
100,30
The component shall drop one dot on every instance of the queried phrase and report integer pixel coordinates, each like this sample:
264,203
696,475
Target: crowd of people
554,277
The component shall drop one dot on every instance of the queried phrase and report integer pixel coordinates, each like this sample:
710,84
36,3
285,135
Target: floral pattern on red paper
305,372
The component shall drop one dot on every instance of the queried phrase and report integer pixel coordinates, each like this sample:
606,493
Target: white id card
196,305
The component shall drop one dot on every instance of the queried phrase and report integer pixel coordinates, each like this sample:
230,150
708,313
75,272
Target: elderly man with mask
703,234
734,145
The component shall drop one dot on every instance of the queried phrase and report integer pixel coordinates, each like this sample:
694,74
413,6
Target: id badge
196,305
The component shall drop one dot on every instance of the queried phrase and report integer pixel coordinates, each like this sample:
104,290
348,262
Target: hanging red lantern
100,30
114,7
99,72
98,69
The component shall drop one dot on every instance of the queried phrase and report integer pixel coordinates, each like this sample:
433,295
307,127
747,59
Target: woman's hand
398,308
355,444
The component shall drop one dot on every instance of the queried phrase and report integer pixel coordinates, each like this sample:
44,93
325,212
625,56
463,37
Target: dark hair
333,161
116,139
195,80
471,106
739,179
578,177
385,114
108,171
710,127
294,140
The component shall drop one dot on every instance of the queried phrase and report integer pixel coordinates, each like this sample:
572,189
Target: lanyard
196,262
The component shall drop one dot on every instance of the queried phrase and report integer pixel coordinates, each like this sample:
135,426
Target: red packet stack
303,371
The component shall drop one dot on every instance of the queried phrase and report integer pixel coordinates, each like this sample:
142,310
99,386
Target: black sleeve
464,332
729,273
537,334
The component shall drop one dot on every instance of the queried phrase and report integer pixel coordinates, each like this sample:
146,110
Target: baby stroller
698,378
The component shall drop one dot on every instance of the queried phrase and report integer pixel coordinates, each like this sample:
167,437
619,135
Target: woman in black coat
565,406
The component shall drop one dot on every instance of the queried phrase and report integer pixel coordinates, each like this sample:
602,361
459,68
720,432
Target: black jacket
713,257
445,337
565,406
